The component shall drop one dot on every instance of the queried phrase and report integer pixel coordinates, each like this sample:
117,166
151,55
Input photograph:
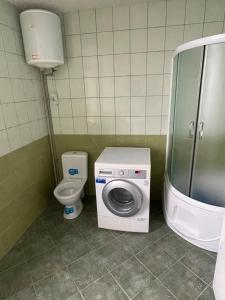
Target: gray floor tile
97,237
42,265
24,294
58,286
154,290
63,232
12,258
73,249
36,244
115,253
87,269
200,263
208,294
13,280
157,231
156,259
182,283
104,289
174,246
132,276
136,241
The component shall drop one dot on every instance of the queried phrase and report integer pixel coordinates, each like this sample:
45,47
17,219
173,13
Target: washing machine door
122,198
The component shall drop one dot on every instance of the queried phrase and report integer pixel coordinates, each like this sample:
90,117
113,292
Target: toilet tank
75,164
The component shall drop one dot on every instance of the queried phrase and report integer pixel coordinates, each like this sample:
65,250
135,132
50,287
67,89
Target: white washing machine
122,181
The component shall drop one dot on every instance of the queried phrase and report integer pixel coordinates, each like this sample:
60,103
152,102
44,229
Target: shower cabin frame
197,222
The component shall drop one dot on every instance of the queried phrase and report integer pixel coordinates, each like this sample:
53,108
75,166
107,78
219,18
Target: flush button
121,172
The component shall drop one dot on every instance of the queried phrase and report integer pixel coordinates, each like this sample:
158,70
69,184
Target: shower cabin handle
191,130
201,130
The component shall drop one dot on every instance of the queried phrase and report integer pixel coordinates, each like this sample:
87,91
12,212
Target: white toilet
70,190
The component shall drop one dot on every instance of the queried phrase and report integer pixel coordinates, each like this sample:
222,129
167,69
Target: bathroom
112,90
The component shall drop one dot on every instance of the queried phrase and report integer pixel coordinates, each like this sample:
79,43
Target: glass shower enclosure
194,190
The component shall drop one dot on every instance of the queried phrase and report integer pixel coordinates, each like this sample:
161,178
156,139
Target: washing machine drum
122,198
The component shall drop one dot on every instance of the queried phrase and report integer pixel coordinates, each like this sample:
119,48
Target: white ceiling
67,5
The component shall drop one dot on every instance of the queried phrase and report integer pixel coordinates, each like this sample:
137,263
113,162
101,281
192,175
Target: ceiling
67,5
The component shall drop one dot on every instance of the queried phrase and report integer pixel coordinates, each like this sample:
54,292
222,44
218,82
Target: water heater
42,38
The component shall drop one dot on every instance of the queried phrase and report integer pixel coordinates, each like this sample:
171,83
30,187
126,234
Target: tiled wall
117,71
22,116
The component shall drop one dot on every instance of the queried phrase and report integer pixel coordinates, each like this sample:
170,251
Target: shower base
196,222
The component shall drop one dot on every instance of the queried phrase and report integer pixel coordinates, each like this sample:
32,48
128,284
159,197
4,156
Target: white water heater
42,38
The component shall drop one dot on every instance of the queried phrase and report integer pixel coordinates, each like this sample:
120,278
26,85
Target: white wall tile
73,46
94,125
66,125
4,142
122,106
89,44
156,38
156,13
138,41
9,112
122,86
63,88
80,125
212,28
105,43
121,41
122,125
215,10
87,21
108,125
107,107
195,11
122,64
90,65
155,62
121,19
75,67
153,125
14,138
153,105
138,63
154,85
65,108
138,106
138,15
104,19
2,121
105,65
21,112
6,90
164,125
192,32
174,37
138,125
106,85
166,84
56,125
79,107
93,107
91,87
8,37
138,85
71,22
175,12
25,134
77,88
3,64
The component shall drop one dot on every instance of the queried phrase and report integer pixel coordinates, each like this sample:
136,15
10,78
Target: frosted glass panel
185,115
208,183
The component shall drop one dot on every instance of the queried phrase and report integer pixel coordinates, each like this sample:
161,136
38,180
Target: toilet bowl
71,189
69,193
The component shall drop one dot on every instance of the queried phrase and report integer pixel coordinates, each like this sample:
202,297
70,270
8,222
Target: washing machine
122,181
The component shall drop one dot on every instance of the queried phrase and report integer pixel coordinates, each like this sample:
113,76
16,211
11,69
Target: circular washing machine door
122,198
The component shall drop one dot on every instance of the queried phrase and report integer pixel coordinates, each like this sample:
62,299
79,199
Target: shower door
208,179
189,70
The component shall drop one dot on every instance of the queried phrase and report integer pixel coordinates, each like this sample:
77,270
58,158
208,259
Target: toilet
70,190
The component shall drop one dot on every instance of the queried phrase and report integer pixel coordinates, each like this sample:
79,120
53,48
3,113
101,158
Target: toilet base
73,211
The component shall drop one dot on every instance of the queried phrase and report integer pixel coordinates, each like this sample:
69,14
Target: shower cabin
194,189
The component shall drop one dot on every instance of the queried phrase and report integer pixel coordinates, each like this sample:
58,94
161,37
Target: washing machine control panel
122,173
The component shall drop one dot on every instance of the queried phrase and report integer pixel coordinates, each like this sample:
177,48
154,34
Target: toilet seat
68,189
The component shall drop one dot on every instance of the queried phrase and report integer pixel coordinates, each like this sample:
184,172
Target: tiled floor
74,260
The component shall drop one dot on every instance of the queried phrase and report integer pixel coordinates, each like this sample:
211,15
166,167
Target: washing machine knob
121,172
